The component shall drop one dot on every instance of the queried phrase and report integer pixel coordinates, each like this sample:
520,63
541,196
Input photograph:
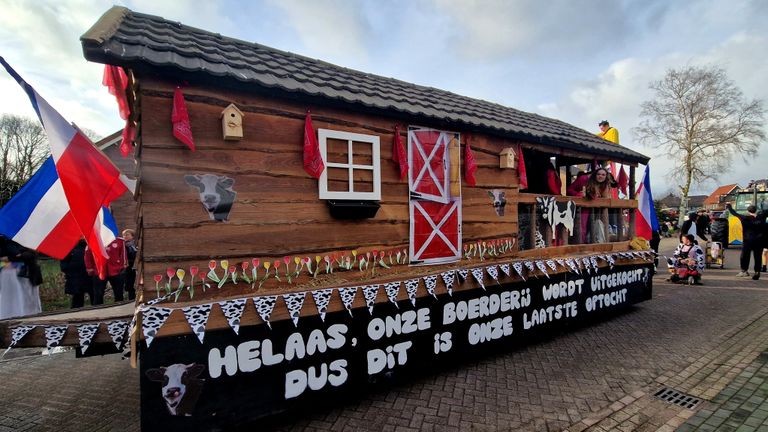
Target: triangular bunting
551,264
542,268
493,272
264,307
294,303
477,273
392,289
411,285
610,260
117,331
153,318
370,292
593,261
197,317
561,262
449,277
348,297
530,266
572,265
519,269
18,333
322,298
85,333
463,274
233,311
505,268
587,264
431,282
53,335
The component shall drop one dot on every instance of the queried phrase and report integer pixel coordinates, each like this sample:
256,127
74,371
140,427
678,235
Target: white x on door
435,225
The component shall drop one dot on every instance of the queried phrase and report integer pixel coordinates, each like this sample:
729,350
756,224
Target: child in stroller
688,264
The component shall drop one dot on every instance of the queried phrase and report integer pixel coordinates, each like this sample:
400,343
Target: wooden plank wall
277,210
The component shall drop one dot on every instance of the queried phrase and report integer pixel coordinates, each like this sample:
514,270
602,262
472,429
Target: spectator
130,271
692,226
600,184
752,226
702,222
607,132
114,271
77,282
20,280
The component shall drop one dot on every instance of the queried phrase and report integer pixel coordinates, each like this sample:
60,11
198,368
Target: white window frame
349,137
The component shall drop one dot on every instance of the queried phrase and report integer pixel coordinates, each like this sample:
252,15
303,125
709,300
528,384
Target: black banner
233,379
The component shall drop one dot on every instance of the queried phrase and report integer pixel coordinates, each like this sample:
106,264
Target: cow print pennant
294,303
519,269
542,268
233,311
530,266
152,320
561,262
551,264
264,306
449,277
117,331
505,268
478,275
197,317
463,274
411,285
610,260
85,333
348,297
392,289
53,335
370,292
431,283
572,265
493,272
593,261
322,298
18,333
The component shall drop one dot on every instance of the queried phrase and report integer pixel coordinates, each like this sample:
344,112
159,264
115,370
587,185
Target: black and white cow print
294,302
233,311
530,266
348,297
557,213
322,298
463,274
505,268
430,282
53,335
518,266
85,334
449,278
197,317
593,261
542,268
152,319
572,265
370,292
477,273
493,272
216,194
264,306
499,200
551,264
18,333
411,286
561,262
116,330
392,289
539,242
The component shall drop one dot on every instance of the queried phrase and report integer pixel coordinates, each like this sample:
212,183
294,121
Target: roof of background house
134,40
696,201
714,197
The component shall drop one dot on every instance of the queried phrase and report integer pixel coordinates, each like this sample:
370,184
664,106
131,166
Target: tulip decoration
224,265
381,259
318,258
267,265
193,271
212,271
255,271
328,266
354,258
158,279
299,265
203,283
308,262
244,267
287,261
232,273
170,272
277,270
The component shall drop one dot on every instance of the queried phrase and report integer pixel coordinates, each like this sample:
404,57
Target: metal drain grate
675,397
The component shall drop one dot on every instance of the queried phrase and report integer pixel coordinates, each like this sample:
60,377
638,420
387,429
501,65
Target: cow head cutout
216,194
499,200
181,386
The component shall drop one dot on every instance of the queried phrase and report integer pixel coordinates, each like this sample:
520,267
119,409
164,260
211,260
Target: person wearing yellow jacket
608,133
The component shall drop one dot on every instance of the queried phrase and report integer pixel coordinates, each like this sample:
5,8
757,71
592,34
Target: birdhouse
232,123
507,158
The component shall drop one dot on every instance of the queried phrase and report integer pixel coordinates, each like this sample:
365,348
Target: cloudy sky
578,61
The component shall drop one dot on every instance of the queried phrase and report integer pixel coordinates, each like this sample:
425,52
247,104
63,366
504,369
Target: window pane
361,153
363,180
524,227
337,150
338,179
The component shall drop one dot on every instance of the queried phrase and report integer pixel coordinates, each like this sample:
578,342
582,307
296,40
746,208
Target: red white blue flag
88,179
646,222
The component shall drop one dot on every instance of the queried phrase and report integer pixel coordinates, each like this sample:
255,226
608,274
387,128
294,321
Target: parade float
306,230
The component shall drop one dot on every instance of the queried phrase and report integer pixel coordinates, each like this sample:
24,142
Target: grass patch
52,294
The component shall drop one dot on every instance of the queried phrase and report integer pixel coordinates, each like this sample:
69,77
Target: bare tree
23,148
701,120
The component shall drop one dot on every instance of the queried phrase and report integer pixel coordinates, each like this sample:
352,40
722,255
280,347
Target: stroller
715,256
684,270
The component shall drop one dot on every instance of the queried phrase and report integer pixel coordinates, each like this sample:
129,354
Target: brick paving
704,340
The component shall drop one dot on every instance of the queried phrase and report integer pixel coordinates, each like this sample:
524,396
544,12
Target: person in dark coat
753,227
130,272
77,281
690,226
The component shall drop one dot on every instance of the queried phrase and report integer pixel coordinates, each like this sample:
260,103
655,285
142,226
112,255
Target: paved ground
705,341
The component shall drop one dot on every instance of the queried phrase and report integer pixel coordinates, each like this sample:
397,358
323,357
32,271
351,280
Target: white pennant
197,317
477,273
53,335
586,263
392,289
530,266
153,318
449,277
505,268
117,331
543,268
573,265
493,272
294,302
431,283
519,269
85,333
593,260
551,264
411,285
463,274
322,298
561,262
233,311
370,292
348,297
264,306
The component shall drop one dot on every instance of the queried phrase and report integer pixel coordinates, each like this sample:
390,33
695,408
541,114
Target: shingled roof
130,39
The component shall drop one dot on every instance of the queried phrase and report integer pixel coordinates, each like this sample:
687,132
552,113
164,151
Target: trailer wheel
691,280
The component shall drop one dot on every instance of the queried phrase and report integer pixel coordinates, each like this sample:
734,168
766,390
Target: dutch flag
85,181
647,222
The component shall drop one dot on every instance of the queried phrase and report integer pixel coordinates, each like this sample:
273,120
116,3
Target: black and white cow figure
181,386
499,198
557,213
216,194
